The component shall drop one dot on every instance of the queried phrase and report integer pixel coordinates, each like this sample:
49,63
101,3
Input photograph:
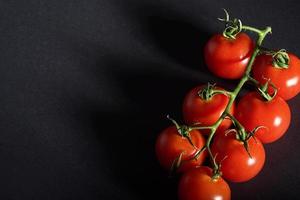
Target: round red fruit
238,165
170,144
287,80
228,58
273,116
198,184
197,110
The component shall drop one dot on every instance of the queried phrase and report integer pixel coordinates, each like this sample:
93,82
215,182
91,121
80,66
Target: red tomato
236,164
254,111
205,112
228,58
287,80
197,184
170,144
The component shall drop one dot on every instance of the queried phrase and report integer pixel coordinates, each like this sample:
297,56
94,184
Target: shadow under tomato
152,90
130,138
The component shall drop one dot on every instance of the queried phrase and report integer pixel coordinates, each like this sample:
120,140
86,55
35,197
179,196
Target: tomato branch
232,95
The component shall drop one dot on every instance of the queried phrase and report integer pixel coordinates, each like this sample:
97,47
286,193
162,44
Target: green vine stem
281,59
232,95
263,89
209,91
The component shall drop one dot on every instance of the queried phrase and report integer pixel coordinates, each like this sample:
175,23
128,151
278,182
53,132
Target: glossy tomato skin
197,184
228,58
287,80
170,144
205,112
275,115
236,165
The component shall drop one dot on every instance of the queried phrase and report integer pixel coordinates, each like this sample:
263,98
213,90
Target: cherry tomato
236,164
274,115
170,144
228,58
287,80
205,112
197,184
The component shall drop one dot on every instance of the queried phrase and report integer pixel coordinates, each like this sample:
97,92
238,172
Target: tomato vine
206,108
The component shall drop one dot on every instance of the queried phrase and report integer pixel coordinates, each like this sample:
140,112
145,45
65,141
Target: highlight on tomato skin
273,116
236,163
287,80
197,184
170,144
228,58
205,112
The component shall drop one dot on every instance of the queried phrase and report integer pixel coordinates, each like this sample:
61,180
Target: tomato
236,164
170,144
287,80
274,115
205,112
228,58
197,184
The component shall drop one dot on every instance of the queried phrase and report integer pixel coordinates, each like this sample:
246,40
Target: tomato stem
263,91
232,95
183,130
253,80
281,59
252,29
232,27
200,127
209,91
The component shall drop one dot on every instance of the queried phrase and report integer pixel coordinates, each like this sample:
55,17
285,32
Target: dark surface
85,87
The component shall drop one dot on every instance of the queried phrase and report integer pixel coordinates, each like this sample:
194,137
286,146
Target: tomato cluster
230,132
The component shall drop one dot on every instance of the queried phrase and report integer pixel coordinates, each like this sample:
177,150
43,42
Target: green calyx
209,91
176,164
183,130
263,91
232,27
281,59
217,173
241,134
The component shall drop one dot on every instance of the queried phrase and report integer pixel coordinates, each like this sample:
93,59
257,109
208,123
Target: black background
85,86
